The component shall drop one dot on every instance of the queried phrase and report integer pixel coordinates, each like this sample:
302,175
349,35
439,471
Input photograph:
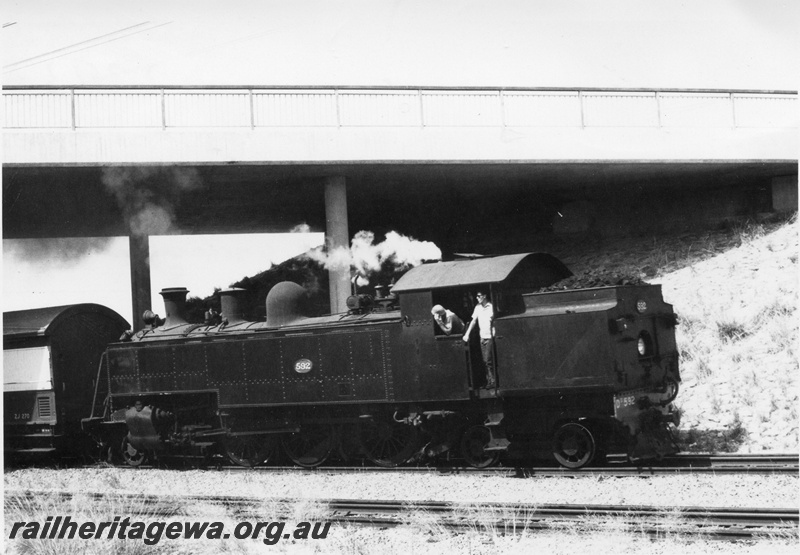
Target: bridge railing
265,107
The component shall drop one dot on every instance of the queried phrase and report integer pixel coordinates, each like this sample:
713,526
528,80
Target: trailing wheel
388,444
249,449
311,446
573,445
473,444
132,455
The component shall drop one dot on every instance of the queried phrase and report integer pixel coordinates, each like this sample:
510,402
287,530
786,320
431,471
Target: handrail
168,107
393,88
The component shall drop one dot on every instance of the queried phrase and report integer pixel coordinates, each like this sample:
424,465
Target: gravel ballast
666,491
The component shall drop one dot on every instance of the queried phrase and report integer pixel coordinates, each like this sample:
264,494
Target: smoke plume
56,249
147,196
397,252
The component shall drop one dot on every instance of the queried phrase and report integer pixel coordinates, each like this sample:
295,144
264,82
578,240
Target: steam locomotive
580,373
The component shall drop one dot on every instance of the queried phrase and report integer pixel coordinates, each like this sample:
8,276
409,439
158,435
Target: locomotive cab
443,364
578,372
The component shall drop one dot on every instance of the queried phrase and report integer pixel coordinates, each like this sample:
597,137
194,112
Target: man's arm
469,329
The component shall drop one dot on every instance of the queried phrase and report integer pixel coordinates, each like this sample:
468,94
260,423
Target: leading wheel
388,444
473,444
311,446
249,450
132,455
573,445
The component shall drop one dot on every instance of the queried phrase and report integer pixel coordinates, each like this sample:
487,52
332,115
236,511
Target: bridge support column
140,278
784,193
337,235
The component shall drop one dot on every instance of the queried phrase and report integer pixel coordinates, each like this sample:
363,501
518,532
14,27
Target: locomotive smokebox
175,305
231,303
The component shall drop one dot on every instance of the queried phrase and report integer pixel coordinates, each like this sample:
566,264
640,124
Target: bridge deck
79,125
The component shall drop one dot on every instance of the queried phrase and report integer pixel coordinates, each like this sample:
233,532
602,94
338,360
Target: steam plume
56,249
147,196
365,257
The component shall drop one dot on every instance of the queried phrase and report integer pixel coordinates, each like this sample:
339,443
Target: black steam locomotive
580,373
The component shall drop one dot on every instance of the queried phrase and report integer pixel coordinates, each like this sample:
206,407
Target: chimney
175,305
231,302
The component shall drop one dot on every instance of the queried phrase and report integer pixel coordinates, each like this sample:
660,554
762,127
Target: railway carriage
579,373
50,361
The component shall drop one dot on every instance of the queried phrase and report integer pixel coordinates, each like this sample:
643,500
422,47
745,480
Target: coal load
593,278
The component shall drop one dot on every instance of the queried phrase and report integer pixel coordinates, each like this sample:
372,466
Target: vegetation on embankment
735,290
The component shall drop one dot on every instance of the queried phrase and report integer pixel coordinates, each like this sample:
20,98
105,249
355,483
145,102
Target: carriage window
26,369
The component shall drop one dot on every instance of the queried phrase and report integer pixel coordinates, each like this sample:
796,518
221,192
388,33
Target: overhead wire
71,49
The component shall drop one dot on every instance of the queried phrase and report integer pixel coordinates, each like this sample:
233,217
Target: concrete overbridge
463,167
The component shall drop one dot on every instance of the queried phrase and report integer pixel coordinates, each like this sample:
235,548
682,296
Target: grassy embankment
735,291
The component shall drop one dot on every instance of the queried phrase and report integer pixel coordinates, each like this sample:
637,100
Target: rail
251,107
727,523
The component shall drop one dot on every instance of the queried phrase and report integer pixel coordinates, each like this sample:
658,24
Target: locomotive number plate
622,401
303,366
625,406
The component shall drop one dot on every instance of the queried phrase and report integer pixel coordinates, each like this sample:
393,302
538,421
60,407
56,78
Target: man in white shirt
483,316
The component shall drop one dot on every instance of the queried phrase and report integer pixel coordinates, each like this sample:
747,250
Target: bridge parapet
255,107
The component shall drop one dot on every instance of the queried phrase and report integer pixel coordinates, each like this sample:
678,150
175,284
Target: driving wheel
388,444
311,446
250,450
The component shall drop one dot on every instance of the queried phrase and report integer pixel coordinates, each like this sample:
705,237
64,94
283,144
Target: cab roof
526,270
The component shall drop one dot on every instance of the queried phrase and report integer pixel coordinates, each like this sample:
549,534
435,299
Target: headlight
642,346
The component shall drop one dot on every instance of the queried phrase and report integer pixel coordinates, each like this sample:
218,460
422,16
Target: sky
609,43
99,271
727,44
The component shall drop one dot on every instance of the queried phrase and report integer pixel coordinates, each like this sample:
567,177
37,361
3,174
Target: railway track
766,464
721,464
498,518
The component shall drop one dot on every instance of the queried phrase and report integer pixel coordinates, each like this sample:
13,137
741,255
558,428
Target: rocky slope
738,337
735,291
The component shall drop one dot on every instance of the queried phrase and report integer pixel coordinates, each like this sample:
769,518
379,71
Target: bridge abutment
784,193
